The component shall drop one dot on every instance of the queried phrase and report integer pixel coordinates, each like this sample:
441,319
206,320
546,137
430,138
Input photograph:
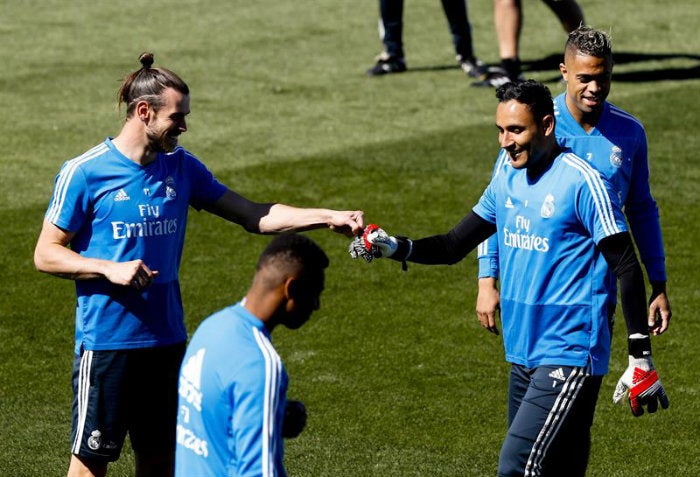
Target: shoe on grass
472,67
387,64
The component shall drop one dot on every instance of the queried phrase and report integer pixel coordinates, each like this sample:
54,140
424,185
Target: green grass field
398,377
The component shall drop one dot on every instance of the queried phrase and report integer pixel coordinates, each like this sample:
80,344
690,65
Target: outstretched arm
266,218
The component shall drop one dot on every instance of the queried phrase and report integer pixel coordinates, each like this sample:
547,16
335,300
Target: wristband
639,346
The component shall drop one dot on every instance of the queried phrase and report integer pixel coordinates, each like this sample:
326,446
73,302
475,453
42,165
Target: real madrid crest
170,191
547,209
616,156
95,440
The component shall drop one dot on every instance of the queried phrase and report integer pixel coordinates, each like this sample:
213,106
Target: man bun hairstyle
148,84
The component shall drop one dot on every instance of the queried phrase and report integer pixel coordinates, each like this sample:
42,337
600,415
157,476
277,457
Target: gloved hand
373,243
294,419
641,379
378,242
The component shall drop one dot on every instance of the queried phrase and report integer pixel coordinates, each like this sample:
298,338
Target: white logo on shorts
95,440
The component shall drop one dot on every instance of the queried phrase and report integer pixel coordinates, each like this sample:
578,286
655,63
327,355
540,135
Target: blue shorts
120,391
550,416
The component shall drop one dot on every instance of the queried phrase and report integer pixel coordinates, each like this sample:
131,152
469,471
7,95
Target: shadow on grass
551,63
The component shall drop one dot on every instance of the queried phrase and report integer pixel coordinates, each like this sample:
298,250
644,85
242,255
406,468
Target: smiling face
587,84
525,139
168,122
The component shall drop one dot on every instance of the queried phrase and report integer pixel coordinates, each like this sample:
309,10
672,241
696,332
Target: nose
505,139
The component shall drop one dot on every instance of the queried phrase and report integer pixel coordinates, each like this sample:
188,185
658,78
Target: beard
161,141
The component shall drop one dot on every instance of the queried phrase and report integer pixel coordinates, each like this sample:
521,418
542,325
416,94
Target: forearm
285,218
618,251
62,262
453,246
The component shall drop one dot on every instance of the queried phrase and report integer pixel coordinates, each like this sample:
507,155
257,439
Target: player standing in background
116,225
615,143
392,58
508,21
555,219
233,384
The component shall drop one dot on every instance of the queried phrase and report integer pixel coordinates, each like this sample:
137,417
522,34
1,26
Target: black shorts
550,415
115,392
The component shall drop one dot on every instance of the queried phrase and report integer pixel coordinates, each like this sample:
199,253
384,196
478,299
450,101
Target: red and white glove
378,242
641,379
373,243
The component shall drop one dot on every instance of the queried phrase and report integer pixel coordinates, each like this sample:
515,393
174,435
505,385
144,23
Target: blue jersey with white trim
232,396
617,147
553,301
122,211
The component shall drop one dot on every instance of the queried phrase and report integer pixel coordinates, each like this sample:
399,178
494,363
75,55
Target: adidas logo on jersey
509,203
191,380
558,376
121,196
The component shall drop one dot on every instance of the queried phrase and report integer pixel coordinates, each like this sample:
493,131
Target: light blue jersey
556,315
617,147
232,397
122,211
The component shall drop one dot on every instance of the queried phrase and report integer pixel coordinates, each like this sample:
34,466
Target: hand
641,380
378,242
373,243
357,249
294,419
488,303
134,273
659,313
349,223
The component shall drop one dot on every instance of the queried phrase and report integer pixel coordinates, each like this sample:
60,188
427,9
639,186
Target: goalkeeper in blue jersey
555,219
233,411
116,225
614,142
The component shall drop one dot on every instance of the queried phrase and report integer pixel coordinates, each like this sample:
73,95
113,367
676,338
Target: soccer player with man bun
116,225
555,219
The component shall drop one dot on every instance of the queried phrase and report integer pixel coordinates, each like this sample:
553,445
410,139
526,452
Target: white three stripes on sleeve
273,372
599,192
65,177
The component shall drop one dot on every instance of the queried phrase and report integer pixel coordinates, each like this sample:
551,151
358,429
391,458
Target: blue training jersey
553,301
617,147
122,211
232,396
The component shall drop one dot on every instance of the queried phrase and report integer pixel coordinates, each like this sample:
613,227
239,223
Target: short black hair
590,42
532,93
296,251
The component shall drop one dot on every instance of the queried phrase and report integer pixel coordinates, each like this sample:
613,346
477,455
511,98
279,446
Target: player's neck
543,162
134,145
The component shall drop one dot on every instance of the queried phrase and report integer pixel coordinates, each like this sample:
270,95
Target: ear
564,72
548,124
143,111
290,290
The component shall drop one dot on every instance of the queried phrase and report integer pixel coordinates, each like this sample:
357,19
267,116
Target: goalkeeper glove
376,243
640,378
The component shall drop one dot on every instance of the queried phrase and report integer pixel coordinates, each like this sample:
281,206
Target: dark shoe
387,64
497,77
472,67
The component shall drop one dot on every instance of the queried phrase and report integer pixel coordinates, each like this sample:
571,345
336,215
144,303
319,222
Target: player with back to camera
615,143
233,384
116,225
555,218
